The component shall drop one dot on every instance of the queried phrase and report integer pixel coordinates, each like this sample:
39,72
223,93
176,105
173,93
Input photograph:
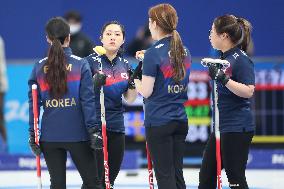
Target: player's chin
112,48
214,46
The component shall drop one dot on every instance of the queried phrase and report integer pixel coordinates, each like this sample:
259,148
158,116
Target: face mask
75,28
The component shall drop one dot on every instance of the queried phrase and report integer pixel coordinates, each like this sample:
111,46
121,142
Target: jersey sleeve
91,63
150,63
129,70
244,70
33,80
87,96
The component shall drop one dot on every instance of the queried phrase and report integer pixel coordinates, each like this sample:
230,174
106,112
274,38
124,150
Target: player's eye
210,32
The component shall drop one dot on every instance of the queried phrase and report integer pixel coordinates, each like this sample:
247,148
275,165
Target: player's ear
224,36
67,39
154,24
48,40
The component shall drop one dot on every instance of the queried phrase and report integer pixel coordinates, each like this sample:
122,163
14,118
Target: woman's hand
140,55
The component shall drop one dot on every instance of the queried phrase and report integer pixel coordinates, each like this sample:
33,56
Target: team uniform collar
67,50
229,52
163,40
114,61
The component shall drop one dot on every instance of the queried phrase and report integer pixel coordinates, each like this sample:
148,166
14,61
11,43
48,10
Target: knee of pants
92,184
58,185
98,186
57,180
205,176
207,181
166,184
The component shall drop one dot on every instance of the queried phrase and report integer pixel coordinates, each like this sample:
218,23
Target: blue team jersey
234,111
65,119
166,101
116,84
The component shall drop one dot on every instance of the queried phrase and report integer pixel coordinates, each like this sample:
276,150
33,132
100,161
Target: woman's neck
227,46
162,36
66,43
111,55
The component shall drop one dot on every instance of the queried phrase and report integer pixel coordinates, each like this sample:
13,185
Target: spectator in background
143,40
80,44
3,89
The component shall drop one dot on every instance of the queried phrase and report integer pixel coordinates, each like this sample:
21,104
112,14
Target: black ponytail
56,77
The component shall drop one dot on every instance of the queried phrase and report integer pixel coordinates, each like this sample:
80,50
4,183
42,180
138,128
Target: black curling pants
55,155
115,146
234,153
166,145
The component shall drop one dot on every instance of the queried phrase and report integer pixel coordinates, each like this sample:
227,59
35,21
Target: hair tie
239,20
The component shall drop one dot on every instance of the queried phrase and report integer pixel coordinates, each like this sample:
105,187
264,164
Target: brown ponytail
177,57
56,77
166,18
247,28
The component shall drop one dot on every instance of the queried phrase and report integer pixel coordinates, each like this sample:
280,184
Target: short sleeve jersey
234,111
116,84
166,101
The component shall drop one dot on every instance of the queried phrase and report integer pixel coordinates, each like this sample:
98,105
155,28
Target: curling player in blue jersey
165,76
116,81
231,35
65,91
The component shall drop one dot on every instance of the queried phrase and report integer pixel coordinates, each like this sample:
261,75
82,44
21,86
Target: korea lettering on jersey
65,114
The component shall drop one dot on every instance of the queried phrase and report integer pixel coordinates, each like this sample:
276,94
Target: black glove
137,74
99,80
218,74
131,84
34,147
96,138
